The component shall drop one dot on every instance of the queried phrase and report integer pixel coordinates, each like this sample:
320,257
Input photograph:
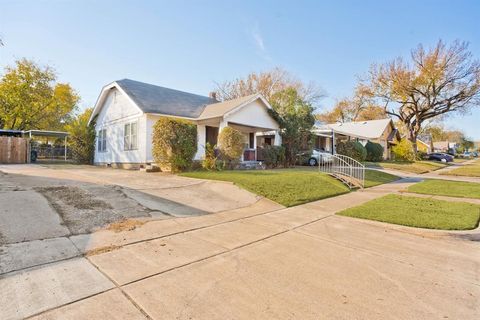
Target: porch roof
219,109
248,128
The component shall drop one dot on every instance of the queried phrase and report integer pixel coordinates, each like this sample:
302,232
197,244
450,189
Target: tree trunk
412,136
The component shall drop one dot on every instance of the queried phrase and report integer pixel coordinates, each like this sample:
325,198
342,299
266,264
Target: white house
126,111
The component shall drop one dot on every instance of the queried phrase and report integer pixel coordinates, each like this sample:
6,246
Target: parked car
437,156
466,154
319,156
475,154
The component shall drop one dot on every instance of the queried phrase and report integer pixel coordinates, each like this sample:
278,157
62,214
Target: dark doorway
211,135
268,141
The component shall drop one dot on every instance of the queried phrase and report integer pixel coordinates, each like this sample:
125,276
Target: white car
319,156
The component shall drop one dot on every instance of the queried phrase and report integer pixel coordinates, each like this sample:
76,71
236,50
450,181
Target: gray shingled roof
155,99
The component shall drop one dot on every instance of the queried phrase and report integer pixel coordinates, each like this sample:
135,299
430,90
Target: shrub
352,149
174,143
422,155
230,143
82,138
211,161
403,151
302,157
273,156
374,151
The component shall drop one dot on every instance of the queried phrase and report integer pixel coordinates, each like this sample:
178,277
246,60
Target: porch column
333,143
201,138
65,146
278,139
254,144
222,125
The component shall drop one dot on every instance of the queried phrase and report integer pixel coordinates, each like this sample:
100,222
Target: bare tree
437,81
268,83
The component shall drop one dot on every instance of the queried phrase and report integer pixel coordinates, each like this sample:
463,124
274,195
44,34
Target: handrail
348,170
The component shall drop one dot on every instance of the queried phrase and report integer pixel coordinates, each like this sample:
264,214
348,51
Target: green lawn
418,212
409,166
447,188
288,187
469,170
375,178
372,177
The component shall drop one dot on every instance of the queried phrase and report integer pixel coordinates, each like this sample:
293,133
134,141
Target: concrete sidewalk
300,262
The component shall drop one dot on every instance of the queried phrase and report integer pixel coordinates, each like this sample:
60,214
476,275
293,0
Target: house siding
117,111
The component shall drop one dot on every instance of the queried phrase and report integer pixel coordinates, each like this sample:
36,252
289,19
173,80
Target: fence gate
14,150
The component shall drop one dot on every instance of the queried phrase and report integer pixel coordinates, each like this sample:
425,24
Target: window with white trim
102,140
130,136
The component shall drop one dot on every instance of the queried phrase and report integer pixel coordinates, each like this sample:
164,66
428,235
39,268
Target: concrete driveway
171,194
257,262
42,207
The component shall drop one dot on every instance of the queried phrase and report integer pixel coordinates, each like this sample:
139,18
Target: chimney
213,95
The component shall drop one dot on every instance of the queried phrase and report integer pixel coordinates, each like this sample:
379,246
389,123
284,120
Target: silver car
319,156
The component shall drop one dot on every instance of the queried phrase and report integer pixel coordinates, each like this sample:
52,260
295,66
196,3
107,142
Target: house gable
254,114
115,107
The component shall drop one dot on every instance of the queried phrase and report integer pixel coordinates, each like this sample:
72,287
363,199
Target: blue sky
191,45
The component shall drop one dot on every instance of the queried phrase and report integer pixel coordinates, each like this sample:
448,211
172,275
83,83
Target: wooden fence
14,150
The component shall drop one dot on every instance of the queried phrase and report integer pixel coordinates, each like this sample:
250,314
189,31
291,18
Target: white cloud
260,43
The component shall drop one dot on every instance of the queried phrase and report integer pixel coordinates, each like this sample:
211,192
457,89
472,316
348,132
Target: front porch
254,139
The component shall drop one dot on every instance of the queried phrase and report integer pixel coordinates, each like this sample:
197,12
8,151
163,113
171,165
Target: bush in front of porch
274,156
352,149
374,151
230,144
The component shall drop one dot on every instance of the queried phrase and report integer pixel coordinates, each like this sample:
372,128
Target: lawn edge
476,227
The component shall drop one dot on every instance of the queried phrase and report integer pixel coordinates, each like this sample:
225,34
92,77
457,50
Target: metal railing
348,170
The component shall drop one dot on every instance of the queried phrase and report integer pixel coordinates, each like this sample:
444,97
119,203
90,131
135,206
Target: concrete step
252,165
150,168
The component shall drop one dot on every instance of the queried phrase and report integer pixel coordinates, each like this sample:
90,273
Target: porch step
251,165
150,168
